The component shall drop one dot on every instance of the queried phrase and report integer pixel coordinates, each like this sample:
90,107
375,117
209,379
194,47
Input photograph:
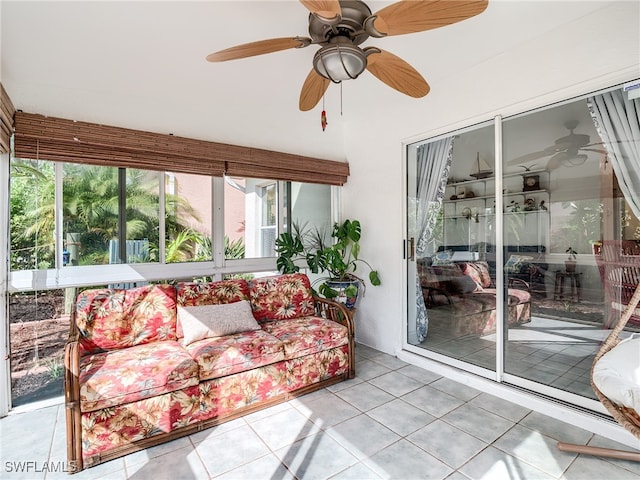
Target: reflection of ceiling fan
565,151
339,26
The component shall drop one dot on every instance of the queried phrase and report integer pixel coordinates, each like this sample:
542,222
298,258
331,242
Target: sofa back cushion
192,294
281,297
111,319
479,271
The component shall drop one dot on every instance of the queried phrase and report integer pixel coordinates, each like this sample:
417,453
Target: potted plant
339,258
570,263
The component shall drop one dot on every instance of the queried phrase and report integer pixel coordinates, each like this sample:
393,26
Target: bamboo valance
6,120
57,139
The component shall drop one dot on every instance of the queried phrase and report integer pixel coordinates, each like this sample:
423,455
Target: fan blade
410,16
258,48
529,157
323,8
397,73
312,91
554,162
603,152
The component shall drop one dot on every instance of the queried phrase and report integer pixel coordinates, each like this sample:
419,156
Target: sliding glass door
524,242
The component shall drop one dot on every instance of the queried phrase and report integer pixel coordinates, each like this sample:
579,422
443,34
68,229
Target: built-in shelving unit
469,209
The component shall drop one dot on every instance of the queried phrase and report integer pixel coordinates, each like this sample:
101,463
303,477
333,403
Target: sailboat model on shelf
481,168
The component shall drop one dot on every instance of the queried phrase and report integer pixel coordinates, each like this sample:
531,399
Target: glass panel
90,206
455,259
268,223
39,328
32,214
188,205
250,217
310,206
554,234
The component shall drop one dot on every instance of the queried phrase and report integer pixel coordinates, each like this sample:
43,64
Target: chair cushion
135,373
617,373
221,356
307,335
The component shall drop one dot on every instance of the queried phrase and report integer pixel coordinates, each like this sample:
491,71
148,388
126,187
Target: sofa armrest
72,395
429,292
518,283
72,405
338,313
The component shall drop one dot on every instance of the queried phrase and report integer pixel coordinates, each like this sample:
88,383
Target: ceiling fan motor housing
349,24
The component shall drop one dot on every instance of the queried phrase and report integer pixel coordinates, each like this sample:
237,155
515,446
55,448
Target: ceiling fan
339,26
565,150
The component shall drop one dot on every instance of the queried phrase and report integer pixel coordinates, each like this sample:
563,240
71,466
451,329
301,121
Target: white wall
600,49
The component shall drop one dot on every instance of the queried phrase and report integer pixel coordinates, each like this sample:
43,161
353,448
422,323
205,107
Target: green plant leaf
327,291
374,278
353,230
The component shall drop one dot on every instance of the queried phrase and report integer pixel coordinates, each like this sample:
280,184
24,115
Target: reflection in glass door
523,261
452,221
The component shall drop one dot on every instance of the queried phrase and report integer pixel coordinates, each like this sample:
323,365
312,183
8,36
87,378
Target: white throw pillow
617,373
206,321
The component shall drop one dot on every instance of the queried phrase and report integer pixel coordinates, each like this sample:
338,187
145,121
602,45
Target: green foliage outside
90,209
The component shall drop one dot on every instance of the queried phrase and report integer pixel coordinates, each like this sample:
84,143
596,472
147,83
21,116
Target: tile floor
394,421
550,351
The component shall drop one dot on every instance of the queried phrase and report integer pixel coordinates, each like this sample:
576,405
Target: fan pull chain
323,116
340,98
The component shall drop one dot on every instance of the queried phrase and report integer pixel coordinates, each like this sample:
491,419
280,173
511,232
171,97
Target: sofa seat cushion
220,356
473,303
135,373
307,335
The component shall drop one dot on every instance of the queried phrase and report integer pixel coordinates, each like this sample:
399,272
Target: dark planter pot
341,287
570,266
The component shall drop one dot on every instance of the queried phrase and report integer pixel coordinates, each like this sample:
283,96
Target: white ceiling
142,65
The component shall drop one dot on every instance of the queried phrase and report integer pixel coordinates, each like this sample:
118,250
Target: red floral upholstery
281,297
118,426
190,294
307,335
221,356
138,372
211,293
467,311
110,319
136,381
479,271
224,395
310,369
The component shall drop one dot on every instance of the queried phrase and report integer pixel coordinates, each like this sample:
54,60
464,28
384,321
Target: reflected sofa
153,363
523,262
461,298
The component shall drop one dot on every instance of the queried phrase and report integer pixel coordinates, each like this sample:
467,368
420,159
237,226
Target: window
269,217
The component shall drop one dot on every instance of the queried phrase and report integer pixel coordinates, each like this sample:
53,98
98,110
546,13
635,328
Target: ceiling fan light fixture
340,61
574,161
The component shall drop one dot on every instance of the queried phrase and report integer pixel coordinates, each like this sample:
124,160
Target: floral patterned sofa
153,363
461,298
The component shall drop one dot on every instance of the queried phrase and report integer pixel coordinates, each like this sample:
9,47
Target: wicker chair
619,266
627,417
